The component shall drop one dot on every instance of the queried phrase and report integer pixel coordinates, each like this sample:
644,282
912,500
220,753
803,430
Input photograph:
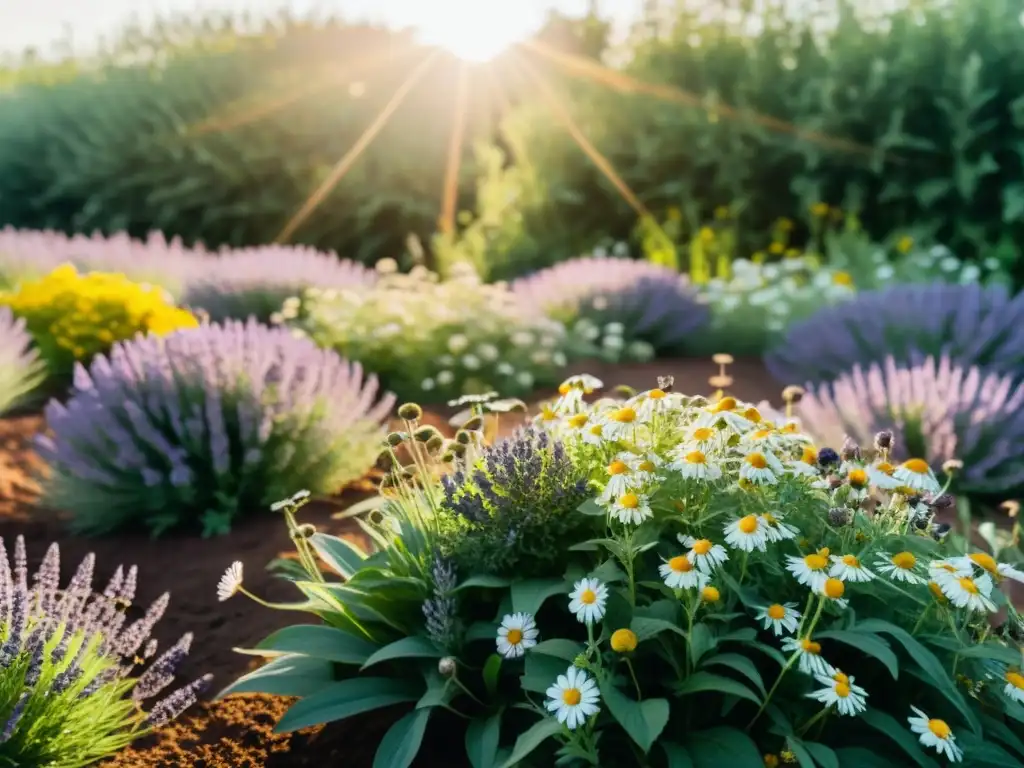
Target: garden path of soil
237,733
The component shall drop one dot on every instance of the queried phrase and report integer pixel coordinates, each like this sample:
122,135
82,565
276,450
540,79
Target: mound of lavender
938,411
655,304
21,370
71,691
208,424
254,282
973,325
517,508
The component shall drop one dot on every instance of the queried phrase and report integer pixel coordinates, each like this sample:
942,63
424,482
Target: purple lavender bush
74,672
254,282
972,325
21,369
655,304
208,423
937,410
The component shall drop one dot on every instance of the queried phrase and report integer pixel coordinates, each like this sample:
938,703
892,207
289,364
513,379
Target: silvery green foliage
71,691
21,370
207,424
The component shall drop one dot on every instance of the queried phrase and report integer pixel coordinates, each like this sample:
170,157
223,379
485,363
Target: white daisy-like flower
703,439
703,553
807,464
941,571
781,618
593,434
969,592
680,573
725,410
761,468
578,423
646,466
900,567
746,534
621,423
998,571
811,570
810,660
573,698
516,635
858,482
1014,688
834,589
849,568
936,734
631,508
652,402
916,474
776,529
584,382
587,600
840,692
881,475
620,477
230,582
695,465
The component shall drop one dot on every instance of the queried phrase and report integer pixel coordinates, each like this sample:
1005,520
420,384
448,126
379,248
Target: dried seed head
462,437
446,667
793,394
423,434
839,516
396,438
410,412
474,423
942,501
435,443
850,450
883,440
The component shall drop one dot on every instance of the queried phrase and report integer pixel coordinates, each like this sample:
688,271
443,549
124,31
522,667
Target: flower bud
462,437
850,450
410,412
423,434
665,383
624,641
448,457
581,662
396,438
883,440
473,424
446,667
304,531
458,449
408,474
839,516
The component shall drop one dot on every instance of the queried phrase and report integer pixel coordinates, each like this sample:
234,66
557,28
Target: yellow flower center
623,641
770,519
680,564
790,428
710,594
703,433
858,478
624,415
810,455
515,636
701,546
904,560
1016,679
617,468
629,501
761,434
597,429
564,389
842,278
578,420
757,460
776,611
851,561
547,414
815,562
939,728
840,677
752,414
571,697
656,394
696,457
834,588
917,466
842,690
810,646
647,466
967,585
588,597
936,590
725,404
748,524
885,468
986,562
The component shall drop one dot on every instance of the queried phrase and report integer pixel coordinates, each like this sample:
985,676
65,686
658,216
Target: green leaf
540,672
560,648
858,757
740,664
412,647
982,752
484,581
492,669
482,630
440,690
720,747
591,507
702,640
532,738
642,720
803,757
645,628
886,724
870,644
482,737
700,682
345,698
823,756
675,755
608,572
344,557
291,675
998,730
401,743
318,641
773,653
530,594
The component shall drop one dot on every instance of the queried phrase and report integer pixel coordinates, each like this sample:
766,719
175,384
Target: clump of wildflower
441,610
21,370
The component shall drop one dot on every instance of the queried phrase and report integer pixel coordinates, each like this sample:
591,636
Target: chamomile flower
746,534
807,464
587,600
840,692
573,698
809,659
776,529
900,567
834,589
695,465
631,508
761,438
646,466
985,561
1014,688
811,570
230,582
857,480
593,434
881,475
724,411
621,423
652,402
620,477
936,734
584,382
941,571
703,439
849,568
761,468
578,423
703,553
916,474
680,573
516,635
781,618
969,592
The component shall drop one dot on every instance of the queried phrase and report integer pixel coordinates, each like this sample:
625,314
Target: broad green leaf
823,756
482,738
983,752
870,644
743,635
440,690
999,730
532,738
676,755
318,641
642,720
773,653
899,732
483,582
482,630
591,507
401,743
412,647
994,651
646,628
285,676
530,594
740,664
541,671
702,640
344,557
803,757
721,747
560,648
492,669
859,757
345,698
608,572
700,682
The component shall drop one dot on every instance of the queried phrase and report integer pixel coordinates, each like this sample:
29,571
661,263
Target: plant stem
771,692
806,726
632,674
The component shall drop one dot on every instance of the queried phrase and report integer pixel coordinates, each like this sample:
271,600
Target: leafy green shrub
21,370
748,601
71,692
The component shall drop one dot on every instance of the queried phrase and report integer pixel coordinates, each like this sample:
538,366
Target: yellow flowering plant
740,597
73,316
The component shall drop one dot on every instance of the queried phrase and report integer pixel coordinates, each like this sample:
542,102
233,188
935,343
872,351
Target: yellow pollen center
790,428
597,429
1016,679
588,597
967,585
725,404
840,677
776,612
701,547
842,690
761,434
564,389
834,588
851,561
696,457
810,646
629,501
571,697
940,729
917,466
624,415
904,560
547,414
680,564
810,455
578,420
770,519
515,636
858,478
656,394
647,466
710,594
702,434
757,460
936,590
752,414
885,467
985,561
617,468
815,562
748,524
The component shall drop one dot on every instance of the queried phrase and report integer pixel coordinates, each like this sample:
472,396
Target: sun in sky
477,30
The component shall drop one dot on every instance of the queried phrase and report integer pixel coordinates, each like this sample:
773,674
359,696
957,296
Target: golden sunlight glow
477,30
